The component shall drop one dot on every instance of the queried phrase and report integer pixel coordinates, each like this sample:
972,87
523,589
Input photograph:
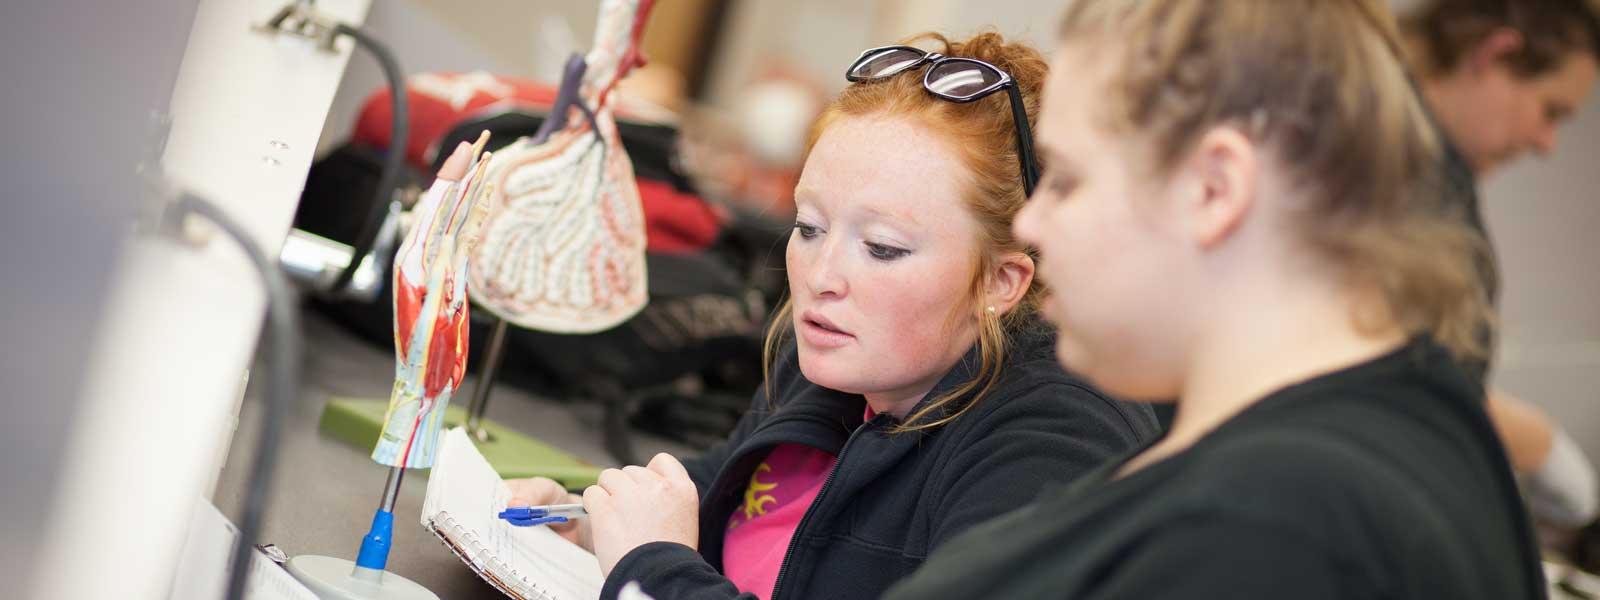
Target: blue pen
527,516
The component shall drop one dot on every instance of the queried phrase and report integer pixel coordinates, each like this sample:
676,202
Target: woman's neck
898,404
1252,353
901,401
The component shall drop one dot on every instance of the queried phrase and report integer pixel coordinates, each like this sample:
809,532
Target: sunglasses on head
955,79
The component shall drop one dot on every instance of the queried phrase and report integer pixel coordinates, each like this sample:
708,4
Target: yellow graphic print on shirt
758,495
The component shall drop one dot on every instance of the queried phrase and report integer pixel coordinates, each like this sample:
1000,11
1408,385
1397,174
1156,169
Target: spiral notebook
464,495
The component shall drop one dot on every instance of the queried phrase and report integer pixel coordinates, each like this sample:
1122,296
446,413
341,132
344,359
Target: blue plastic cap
375,546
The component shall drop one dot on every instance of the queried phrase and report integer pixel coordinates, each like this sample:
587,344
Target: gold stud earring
989,310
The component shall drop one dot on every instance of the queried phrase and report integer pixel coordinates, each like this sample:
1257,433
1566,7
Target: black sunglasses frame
1019,114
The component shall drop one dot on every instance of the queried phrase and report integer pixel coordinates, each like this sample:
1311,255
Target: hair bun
1025,64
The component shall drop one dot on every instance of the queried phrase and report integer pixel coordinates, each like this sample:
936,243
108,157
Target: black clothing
1461,187
1460,198
1383,480
892,498
1165,413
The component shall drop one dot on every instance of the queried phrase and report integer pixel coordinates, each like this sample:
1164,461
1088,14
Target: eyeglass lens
886,62
961,79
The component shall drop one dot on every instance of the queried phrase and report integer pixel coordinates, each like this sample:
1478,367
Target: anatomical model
431,309
563,250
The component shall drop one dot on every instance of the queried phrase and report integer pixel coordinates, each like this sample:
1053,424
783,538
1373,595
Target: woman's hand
636,505
538,491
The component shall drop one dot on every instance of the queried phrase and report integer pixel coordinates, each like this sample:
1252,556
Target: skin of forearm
1524,429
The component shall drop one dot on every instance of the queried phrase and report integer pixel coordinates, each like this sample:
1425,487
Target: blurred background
748,74
736,81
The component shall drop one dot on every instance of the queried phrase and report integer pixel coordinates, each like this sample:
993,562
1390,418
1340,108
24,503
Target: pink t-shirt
781,489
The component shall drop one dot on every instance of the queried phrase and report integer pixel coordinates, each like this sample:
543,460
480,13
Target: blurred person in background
1500,77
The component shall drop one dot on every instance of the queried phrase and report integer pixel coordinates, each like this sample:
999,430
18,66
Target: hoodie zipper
794,540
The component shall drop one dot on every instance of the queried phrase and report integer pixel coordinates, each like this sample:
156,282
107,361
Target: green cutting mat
514,455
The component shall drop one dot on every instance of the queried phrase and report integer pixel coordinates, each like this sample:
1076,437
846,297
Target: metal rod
480,393
391,490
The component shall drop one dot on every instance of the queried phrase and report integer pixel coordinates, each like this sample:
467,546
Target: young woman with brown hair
1236,199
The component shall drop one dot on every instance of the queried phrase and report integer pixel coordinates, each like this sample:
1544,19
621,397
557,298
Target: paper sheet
465,492
203,566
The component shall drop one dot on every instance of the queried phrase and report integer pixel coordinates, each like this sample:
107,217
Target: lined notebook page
464,495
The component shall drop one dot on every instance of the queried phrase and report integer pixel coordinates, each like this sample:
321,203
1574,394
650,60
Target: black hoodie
892,498
1383,480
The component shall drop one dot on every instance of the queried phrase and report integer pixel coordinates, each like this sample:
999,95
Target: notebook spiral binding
452,534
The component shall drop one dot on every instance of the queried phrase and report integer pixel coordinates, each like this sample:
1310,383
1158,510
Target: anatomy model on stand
564,246
563,250
431,313
431,316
